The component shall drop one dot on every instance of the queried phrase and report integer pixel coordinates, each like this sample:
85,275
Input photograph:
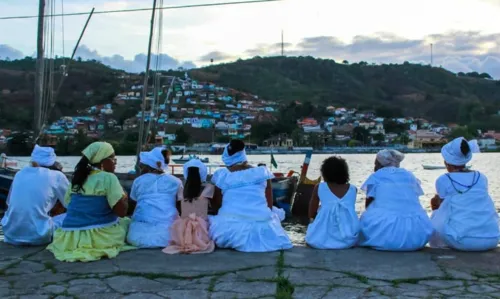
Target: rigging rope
145,9
158,32
62,29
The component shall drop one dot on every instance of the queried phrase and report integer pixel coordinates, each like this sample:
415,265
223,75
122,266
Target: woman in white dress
156,194
394,219
336,225
245,221
464,215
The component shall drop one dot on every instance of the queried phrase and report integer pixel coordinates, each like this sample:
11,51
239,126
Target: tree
379,137
345,62
461,132
361,134
181,136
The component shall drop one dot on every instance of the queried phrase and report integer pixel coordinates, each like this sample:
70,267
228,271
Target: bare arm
269,194
436,202
314,203
369,201
121,207
216,201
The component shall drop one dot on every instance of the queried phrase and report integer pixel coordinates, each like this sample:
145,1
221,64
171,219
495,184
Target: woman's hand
436,202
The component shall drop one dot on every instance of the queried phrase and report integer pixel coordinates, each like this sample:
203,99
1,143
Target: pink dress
189,233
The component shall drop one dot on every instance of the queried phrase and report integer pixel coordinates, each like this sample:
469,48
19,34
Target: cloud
138,64
460,51
7,51
217,56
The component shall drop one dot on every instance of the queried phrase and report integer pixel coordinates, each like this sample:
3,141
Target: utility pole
432,54
282,44
39,71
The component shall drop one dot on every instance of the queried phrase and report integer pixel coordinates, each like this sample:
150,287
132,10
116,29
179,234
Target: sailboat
283,184
6,173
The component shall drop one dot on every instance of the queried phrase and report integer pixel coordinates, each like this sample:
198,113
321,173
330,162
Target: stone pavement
297,273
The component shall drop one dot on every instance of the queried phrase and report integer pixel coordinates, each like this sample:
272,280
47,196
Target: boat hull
438,167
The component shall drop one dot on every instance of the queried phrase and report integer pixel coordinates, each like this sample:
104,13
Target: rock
142,296
185,284
33,297
481,289
367,262
54,289
258,289
184,294
132,284
313,277
25,267
345,293
86,281
4,291
442,284
192,265
349,282
452,292
310,292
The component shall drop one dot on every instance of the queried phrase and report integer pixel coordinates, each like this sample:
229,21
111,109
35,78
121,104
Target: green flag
273,162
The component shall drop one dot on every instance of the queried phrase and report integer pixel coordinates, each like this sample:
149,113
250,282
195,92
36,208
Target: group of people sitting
464,216
86,219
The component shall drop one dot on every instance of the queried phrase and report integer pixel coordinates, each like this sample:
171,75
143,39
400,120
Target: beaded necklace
475,180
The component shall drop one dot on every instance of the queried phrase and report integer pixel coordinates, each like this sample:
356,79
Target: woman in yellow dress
94,226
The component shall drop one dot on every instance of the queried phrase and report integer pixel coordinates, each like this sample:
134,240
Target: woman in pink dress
189,233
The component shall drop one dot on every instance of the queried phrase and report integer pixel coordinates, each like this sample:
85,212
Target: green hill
88,83
408,89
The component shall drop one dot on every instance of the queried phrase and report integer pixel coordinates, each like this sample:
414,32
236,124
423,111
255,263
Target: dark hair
235,146
192,189
335,170
464,147
261,164
82,172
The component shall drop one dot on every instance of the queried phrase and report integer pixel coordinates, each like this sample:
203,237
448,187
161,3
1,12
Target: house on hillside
280,141
425,139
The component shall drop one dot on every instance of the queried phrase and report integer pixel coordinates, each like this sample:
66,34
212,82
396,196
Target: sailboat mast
145,88
39,71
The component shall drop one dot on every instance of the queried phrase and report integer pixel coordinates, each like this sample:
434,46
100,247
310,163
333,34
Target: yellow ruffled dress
93,244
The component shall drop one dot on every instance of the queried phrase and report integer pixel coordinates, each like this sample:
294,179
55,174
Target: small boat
438,167
184,160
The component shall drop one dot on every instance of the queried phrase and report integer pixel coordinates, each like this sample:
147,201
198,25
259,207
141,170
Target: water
360,166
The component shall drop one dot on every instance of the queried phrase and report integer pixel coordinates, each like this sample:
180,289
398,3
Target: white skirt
149,235
248,235
388,231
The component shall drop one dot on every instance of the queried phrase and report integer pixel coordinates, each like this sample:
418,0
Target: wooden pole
39,71
145,87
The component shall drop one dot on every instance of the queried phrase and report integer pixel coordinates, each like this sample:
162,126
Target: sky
465,33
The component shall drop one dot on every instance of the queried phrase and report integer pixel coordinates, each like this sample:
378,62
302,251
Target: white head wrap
453,155
391,158
43,156
152,158
236,158
198,164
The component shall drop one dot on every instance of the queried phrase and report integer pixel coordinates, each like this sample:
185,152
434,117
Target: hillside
390,90
88,83
413,90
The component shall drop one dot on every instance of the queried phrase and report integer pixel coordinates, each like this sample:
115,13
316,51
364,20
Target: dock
32,272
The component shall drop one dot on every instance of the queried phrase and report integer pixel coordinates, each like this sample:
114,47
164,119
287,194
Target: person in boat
156,194
464,216
95,225
336,224
245,221
189,233
37,191
394,219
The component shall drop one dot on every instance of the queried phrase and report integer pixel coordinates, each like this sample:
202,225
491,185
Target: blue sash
86,212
